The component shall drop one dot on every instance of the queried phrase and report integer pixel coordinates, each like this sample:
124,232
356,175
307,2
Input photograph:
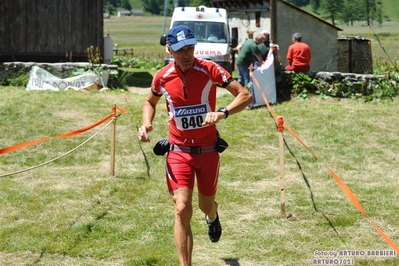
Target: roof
124,12
242,4
137,11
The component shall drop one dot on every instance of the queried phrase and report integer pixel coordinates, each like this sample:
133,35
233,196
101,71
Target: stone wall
61,70
362,84
340,76
354,55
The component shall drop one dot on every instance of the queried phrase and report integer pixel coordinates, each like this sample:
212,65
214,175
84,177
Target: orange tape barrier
67,135
347,191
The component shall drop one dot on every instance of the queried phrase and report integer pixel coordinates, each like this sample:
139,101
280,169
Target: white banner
41,79
264,77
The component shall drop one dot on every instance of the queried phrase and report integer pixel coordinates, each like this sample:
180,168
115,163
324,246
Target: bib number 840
192,122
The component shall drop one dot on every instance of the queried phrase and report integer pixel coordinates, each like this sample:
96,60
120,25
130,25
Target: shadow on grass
146,262
231,262
139,79
147,164
311,192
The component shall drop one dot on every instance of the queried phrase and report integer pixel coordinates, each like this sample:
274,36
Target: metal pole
165,13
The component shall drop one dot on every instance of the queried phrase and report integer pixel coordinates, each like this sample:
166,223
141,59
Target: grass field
140,33
384,39
72,212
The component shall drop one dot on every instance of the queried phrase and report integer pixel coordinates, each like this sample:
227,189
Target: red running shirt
190,95
299,57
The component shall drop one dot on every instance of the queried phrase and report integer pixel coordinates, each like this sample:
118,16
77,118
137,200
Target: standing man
263,48
189,85
298,55
247,55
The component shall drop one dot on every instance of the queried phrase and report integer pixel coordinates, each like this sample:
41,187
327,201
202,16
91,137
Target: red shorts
182,168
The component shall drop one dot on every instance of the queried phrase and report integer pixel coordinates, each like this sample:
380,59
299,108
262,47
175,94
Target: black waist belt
192,149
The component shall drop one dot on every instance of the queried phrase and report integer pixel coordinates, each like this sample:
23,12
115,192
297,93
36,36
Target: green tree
379,15
200,3
115,3
332,9
125,4
370,10
155,7
299,3
352,11
315,5
108,8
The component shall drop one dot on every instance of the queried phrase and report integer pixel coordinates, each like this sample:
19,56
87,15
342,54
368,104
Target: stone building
247,17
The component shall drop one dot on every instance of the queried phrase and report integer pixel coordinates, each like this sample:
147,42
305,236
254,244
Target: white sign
41,79
264,81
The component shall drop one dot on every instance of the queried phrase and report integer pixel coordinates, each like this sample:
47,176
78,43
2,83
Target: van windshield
204,31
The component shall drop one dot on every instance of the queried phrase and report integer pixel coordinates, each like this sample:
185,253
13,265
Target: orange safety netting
347,191
70,134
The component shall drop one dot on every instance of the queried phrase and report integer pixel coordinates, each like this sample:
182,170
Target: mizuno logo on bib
190,117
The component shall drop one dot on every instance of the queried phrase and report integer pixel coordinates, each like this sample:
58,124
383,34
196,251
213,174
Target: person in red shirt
189,85
299,55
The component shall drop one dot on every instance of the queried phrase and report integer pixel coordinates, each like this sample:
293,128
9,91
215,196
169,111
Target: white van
211,29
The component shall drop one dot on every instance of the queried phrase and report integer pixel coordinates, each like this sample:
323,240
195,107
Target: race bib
190,117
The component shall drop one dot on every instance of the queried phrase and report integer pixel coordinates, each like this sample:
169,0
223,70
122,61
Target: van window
206,32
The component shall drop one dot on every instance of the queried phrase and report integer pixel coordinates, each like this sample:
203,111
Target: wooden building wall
50,30
355,55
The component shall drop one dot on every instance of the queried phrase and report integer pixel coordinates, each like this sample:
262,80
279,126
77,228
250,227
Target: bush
301,85
135,62
13,76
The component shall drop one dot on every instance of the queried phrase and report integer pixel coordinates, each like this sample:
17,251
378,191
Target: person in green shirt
247,55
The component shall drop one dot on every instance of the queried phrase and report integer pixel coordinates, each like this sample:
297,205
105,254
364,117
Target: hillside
389,7
136,4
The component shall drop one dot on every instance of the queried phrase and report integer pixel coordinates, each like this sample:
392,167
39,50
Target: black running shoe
214,229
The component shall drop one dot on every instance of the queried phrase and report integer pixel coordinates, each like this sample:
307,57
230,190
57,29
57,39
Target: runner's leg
182,230
208,205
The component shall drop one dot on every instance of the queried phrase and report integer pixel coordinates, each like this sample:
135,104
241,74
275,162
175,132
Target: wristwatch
224,110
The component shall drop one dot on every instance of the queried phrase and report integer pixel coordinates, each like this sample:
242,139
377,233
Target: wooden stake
280,126
113,129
